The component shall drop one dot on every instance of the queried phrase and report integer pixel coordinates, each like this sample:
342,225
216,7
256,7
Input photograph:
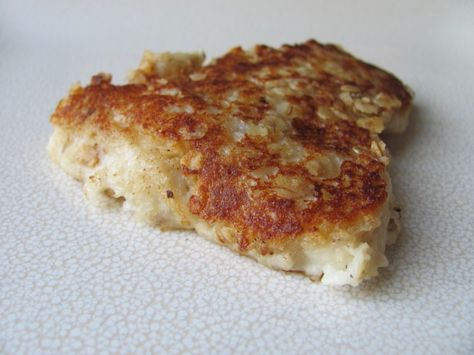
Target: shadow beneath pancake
401,145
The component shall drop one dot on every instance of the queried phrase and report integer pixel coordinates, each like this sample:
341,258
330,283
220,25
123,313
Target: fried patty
273,153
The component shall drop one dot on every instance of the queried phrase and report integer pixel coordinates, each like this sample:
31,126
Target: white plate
76,279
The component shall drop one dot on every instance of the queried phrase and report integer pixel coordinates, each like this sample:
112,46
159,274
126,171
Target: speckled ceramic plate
74,279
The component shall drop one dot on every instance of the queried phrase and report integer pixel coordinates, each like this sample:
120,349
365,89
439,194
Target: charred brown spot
339,136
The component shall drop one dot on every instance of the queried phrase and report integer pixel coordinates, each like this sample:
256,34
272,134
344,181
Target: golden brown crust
246,115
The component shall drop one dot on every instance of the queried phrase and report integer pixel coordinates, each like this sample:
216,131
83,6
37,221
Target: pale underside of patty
272,153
